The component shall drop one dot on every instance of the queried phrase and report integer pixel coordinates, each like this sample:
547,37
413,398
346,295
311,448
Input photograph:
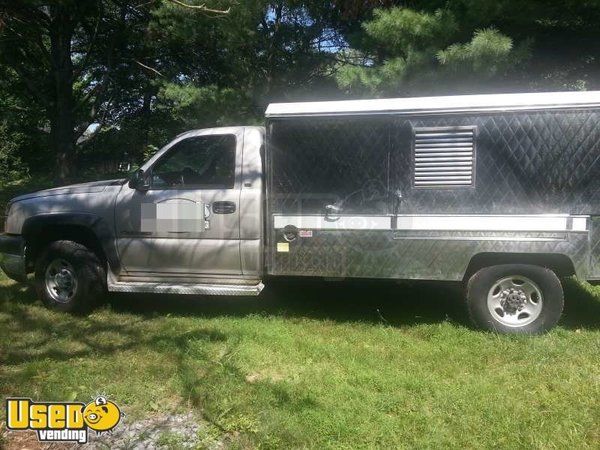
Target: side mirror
138,181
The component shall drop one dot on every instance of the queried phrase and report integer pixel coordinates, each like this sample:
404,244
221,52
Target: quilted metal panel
540,162
315,162
526,163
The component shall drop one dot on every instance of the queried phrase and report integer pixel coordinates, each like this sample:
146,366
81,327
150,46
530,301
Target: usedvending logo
62,421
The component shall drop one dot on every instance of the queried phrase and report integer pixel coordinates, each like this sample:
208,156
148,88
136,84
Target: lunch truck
498,192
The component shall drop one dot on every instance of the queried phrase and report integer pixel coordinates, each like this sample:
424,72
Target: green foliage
21,140
488,54
401,31
191,107
409,51
11,166
145,71
479,46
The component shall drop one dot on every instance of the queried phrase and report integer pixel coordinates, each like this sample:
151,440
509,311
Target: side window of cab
199,162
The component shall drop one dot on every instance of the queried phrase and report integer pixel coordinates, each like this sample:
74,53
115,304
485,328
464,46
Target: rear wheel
69,277
515,298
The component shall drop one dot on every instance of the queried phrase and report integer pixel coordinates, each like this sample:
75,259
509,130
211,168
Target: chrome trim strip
445,158
423,172
434,222
436,105
466,165
482,223
579,223
437,152
446,134
334,223
440,177
423,184
478,238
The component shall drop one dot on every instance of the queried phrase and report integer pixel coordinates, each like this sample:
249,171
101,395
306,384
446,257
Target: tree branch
31,87
202,7
86,58
152,69
23,39
96,88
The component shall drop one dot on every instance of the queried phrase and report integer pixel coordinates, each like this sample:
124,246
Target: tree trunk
62,123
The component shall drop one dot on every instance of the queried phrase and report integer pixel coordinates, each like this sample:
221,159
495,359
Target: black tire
549,310
82,266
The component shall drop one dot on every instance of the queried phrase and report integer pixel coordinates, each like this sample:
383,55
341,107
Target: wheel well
37,242
558,263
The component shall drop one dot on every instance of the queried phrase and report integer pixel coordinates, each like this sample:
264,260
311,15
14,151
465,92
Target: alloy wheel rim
515,301
61,280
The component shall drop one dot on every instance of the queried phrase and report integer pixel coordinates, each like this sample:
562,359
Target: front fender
100,229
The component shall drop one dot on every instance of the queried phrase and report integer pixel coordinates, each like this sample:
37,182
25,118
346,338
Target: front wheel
69,277
515,299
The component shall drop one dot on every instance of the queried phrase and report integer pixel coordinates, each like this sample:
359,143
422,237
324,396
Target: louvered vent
444,157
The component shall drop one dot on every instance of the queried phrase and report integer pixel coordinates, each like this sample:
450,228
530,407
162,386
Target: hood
81,188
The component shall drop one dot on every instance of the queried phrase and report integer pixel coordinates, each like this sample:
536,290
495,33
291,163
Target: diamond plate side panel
444,256
182,288
595,248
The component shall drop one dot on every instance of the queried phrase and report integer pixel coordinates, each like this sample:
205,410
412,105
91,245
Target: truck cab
190,220
198,204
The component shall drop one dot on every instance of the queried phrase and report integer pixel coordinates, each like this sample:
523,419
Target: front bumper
12,256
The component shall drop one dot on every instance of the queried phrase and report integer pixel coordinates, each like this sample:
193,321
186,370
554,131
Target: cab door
187,222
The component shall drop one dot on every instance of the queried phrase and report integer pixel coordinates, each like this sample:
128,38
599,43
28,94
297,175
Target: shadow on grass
341,301
33,332
396,304
37,340
582,306
368,301
45,339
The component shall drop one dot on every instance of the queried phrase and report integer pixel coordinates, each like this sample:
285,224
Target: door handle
223,207
332,212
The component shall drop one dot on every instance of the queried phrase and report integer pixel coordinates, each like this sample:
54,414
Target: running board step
184,288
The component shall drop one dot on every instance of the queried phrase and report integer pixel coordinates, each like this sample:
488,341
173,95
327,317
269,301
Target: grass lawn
316,365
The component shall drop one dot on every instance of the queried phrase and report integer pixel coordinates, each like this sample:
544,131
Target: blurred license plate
175,217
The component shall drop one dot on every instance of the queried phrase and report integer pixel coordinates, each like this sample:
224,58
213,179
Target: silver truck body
444,185
221,256
433,188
